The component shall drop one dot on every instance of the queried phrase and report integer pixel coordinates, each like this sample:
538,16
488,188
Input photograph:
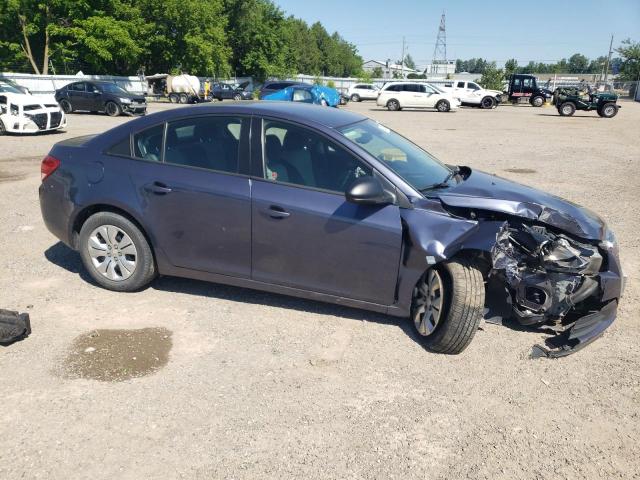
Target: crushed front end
552,280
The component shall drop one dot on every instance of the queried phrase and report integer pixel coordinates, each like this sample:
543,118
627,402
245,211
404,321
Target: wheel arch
83,215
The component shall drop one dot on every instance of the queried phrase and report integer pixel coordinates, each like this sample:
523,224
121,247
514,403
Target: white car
25,113
472,94
399,95
362,91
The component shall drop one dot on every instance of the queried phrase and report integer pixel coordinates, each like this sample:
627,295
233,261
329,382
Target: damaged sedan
331,206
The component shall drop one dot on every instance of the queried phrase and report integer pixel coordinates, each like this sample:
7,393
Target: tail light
49,165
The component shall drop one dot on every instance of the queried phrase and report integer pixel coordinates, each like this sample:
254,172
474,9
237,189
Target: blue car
329,205
317,94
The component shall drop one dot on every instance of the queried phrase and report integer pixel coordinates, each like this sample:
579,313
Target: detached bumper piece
14,326
577,335
554,282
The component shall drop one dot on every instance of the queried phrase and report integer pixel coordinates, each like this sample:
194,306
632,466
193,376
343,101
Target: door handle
158,188
277,212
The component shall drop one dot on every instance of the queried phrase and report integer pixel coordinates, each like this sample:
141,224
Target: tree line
217,38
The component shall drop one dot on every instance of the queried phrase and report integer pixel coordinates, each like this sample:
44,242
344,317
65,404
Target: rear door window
147,144
204,142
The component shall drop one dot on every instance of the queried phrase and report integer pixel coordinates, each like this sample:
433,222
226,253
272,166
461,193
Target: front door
194,197
305,234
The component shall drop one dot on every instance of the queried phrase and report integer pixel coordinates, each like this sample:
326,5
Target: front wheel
608,110
443,106
237,97
567,109
115,252
112,109
488,102
323,102
447,305
3,131
66,106
355,97
537,101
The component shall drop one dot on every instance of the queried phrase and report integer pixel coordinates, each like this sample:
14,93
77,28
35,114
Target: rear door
195,196
93,98
77,95
305,234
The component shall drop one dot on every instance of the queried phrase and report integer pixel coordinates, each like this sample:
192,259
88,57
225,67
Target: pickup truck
471,94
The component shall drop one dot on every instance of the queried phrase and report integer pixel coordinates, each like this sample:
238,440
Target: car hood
28,99
482,191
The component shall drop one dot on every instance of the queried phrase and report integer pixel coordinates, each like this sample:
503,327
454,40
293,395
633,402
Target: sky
539,30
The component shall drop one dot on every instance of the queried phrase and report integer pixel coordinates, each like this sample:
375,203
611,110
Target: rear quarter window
122,148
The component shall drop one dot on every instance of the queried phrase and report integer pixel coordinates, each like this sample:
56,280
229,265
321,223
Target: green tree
377,72
409,62
578,63
492,77
630,61
510,67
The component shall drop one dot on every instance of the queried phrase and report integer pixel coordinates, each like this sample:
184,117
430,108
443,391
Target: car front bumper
134,108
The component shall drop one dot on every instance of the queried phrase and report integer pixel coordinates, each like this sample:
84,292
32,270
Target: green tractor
568,100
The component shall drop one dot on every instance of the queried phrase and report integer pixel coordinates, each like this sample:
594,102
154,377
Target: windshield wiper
444,183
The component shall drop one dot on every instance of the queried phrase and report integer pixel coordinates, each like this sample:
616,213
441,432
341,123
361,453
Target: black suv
524,88
100,97
223,91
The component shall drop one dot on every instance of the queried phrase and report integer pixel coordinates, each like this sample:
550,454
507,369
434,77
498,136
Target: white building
441,69
388,69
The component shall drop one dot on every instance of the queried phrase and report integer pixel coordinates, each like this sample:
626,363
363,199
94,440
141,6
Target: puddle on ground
117,355
521,170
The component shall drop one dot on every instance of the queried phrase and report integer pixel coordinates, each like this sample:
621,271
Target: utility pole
606,70
402,61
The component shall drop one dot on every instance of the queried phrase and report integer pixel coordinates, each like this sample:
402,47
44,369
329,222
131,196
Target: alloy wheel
429,303
113,253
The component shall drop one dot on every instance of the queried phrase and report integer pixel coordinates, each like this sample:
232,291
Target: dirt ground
265,386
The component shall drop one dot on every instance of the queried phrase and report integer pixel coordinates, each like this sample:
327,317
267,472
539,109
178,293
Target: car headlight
610,242
14,110
125,100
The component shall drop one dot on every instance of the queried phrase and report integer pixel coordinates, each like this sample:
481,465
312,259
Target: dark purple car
329,205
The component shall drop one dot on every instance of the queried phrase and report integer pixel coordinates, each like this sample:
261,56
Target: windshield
5,87
417,167
112,88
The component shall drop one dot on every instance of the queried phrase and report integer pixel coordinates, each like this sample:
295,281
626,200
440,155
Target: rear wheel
443,106
66,106
447,305
488,102
608,110
355,97
115,252
3,131
567,109
393,105
537,101
112,109
174,98
184,98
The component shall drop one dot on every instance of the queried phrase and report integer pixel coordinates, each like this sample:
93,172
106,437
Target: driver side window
301,157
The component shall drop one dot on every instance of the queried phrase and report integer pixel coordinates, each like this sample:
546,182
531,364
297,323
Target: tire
488,103
112,109
393,105
174,98
184,98
115,276
323,102
237,97
3,131
443,106
537,101
461,295
608,110
355,97
66,107
567,109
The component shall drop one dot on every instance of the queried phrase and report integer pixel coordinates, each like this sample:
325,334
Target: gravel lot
265,386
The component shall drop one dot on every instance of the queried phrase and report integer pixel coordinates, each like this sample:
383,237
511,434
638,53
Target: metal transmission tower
440,52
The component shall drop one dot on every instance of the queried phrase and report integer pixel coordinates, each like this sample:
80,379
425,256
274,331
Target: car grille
40,119
56,118
138,101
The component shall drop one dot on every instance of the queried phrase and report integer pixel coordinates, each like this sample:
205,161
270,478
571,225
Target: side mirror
368,191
